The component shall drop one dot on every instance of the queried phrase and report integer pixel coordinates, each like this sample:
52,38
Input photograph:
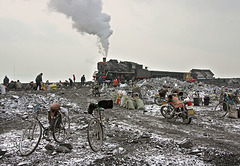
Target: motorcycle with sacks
174,109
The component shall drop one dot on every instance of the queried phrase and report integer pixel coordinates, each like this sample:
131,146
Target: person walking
83,79
39,81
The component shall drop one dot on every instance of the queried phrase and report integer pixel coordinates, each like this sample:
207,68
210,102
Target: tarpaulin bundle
91,107
106,104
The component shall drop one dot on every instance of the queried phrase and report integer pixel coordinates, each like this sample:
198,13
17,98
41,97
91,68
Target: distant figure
95,89
122,79
39,81
18,85
83,79
70,82
100,80
6,81
133,79
60,82
118,78
30,86
12,85
66,83
115,82
74,78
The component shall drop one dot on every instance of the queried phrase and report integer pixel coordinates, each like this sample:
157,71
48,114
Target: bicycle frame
95,130
95,125
35,111
99,114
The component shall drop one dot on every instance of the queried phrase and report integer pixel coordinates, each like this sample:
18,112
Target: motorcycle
183,111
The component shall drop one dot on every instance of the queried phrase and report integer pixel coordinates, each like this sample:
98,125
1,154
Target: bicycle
59,126
225,104
95,126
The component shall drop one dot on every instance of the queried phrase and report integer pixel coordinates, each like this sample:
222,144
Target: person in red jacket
115,82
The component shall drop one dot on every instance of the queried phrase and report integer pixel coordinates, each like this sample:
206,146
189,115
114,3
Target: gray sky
167,35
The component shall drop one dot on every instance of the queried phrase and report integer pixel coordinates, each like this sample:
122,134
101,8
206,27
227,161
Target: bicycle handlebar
36,107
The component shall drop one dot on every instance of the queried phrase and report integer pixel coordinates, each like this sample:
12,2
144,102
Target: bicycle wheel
95,134
158,100
221,109
61,129
185,118
167,111
30,138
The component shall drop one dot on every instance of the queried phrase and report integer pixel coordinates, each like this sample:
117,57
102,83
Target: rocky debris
118,151
221,157
24,163
63,149
118,160
130,137
144,138
187,144
50,147
15,97
67,145
2,152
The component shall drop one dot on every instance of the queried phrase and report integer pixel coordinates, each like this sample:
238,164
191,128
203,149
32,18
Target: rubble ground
132,137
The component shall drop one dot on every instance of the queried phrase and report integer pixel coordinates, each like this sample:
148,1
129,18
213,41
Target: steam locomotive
112,69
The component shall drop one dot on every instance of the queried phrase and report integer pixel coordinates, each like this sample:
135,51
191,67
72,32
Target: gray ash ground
132,137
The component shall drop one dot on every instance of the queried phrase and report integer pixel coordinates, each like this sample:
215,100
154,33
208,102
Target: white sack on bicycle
64,111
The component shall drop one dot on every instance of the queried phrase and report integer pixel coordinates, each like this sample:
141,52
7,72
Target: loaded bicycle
227,102
95,132
59,127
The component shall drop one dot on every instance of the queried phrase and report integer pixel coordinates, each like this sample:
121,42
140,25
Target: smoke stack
86,17
104,59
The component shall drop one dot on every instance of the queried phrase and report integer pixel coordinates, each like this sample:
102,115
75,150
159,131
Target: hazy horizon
60,38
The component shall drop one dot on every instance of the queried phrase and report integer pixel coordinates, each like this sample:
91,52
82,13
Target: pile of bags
53,86
125,99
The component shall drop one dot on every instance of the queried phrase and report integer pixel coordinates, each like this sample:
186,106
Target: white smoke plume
87,17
